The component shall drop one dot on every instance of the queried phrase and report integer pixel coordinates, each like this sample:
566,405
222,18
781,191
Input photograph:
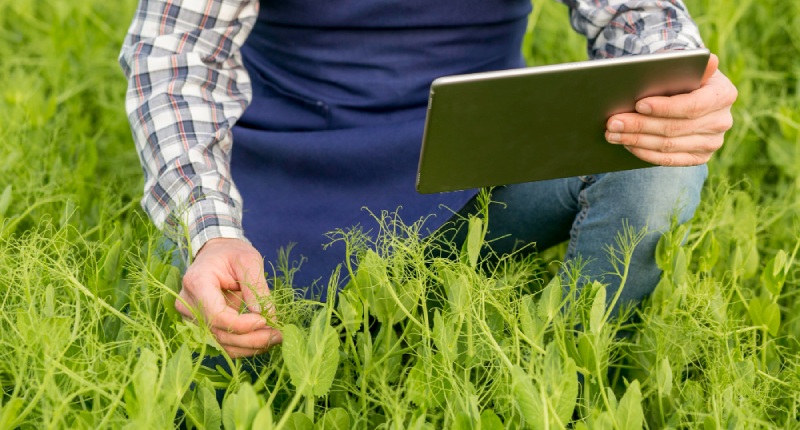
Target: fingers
249,274
205,294
715,95
260,339
670,159
681,130
236,352
225,274
715,122
701,144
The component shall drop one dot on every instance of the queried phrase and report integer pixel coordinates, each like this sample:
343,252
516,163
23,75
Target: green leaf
779,263
774,274
351,310
172,282
629,414
709,252
561,383
391,362
710,423
772,318
527,398
111,265
144,373
239,409
10,411
458,293
295,354
603,422
586,351
662,296
374,285
205,408
418,422
765,313
299,421
177,374
664,377
444,337
49,300
529,322
263,419
680,264
428,383
612,398
750,259
490,421
474,240
462,421
312,360
663,252
334,419
5,201
597,314
550,301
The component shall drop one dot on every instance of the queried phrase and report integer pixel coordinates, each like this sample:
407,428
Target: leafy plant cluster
422,335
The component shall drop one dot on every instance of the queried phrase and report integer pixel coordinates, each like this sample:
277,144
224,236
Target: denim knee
642,199
652,197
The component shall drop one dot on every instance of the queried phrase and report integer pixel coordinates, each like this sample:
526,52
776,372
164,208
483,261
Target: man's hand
682,130
226,274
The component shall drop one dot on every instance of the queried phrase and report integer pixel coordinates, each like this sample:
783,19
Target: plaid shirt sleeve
615,28
186,89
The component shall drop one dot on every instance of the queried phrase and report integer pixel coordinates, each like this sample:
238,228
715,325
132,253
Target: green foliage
90,338
311,360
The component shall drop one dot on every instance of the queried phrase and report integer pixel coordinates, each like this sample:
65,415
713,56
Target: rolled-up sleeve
186,89
615,28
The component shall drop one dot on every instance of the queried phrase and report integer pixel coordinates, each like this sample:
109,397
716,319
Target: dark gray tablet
538,123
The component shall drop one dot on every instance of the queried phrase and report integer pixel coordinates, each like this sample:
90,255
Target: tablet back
538,123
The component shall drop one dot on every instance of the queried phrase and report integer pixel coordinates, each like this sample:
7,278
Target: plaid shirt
187,88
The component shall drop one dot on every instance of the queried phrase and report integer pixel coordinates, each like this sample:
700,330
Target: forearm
615,28
186,89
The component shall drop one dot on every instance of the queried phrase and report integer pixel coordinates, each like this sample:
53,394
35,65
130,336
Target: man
335,95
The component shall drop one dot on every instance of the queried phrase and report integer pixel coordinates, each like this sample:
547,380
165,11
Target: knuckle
634,125
715,143
668,161
727,122
190,279
693,110
698,159
672,128
668,145
732,94
181,308
633,139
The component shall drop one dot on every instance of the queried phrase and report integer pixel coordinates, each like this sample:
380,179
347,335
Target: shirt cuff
681,42
207,219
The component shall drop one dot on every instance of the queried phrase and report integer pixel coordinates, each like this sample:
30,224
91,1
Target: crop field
89,337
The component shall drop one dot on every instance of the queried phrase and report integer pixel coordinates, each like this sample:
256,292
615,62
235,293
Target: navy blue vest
335,126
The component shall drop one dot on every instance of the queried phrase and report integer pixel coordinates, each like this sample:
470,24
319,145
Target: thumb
711,67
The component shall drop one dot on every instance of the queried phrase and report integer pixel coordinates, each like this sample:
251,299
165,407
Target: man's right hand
225,274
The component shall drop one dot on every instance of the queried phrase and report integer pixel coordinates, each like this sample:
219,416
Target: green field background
89,338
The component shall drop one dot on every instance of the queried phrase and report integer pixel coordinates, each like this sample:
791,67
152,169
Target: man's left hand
682,130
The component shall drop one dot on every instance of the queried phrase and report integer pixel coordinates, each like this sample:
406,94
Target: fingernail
644,108
616,125
613,137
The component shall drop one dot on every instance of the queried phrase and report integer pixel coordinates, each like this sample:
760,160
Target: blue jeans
590,212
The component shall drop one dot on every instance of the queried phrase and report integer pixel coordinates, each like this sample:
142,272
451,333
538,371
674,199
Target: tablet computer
537,123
